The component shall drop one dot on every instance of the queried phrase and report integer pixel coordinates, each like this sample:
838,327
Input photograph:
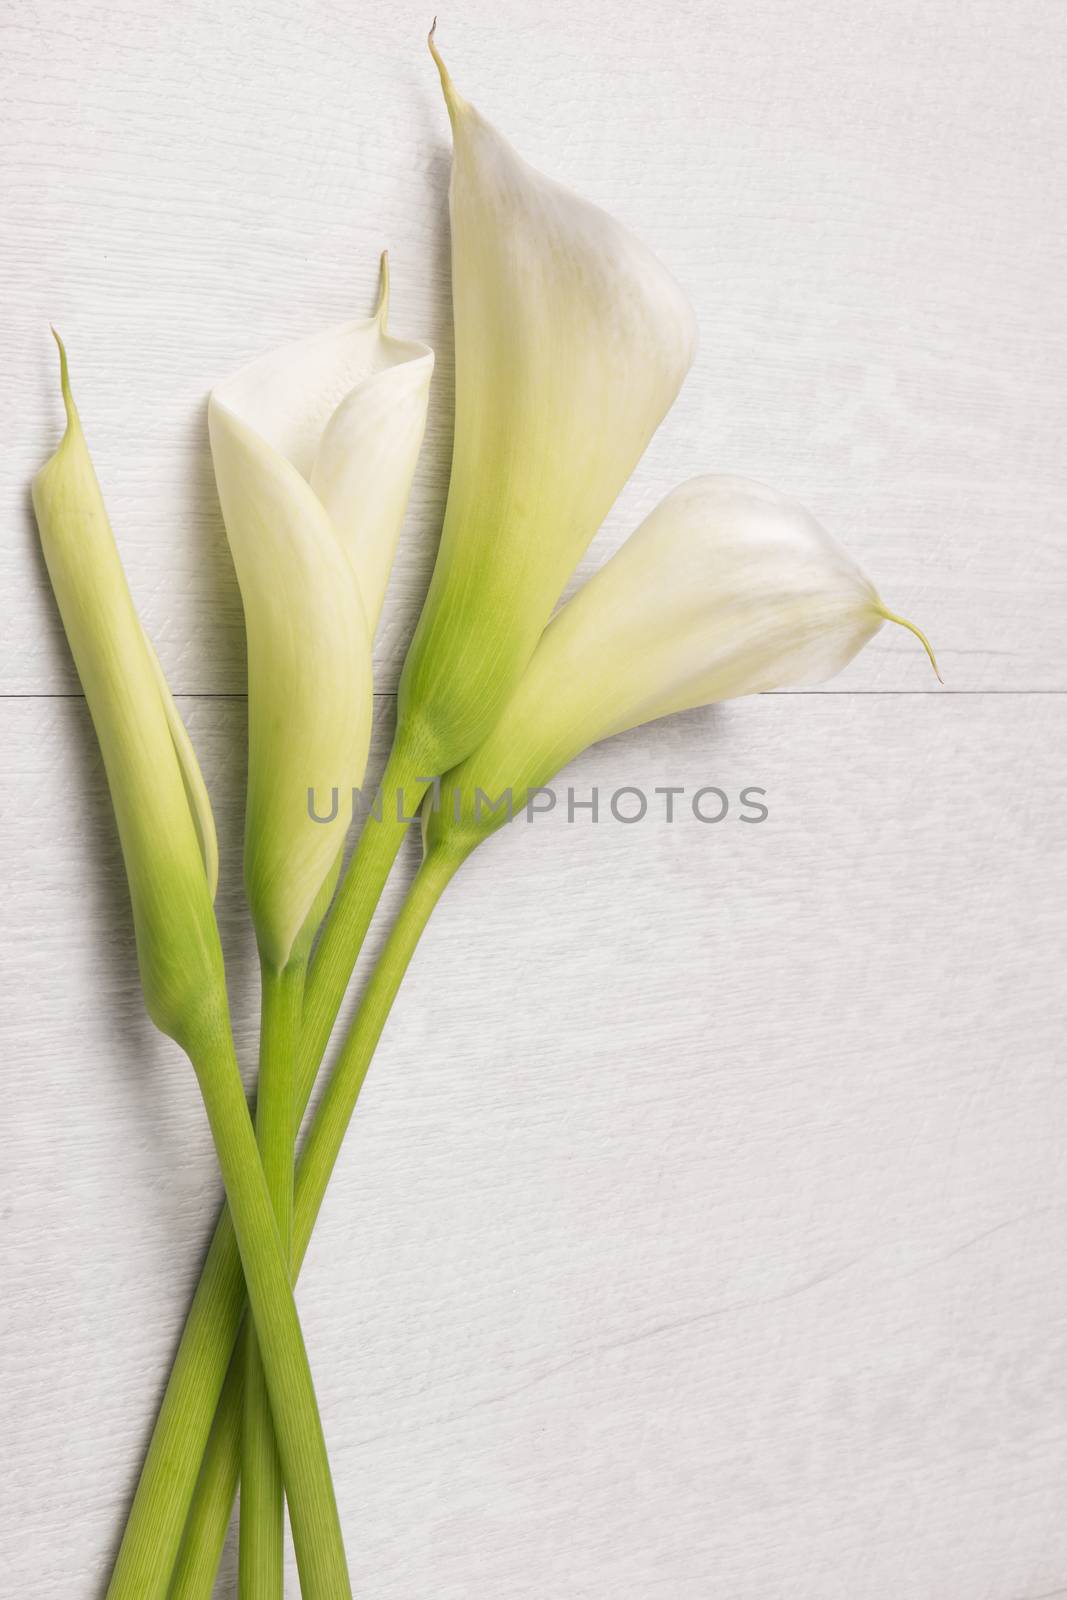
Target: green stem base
213,1497
262,1544
168,1478
313,1509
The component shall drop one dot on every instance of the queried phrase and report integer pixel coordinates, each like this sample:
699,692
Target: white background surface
702,1229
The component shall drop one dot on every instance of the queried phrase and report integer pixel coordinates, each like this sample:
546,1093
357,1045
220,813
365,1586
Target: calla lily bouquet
572,342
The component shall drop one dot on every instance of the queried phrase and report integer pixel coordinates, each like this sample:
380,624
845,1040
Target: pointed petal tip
381,310
902,622
453,99
64,380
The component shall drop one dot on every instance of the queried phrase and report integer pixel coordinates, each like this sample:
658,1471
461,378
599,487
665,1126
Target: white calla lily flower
726,589
314,448
572,341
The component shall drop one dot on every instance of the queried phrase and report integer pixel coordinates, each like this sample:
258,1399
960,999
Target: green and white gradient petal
161,805
572,341
726,589
314,448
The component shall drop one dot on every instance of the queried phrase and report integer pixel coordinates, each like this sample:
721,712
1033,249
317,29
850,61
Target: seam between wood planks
389,694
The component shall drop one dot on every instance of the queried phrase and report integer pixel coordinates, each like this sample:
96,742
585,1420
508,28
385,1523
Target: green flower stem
312,1507
213,1499
168,1478
262,1546
251,1241
402,789
216,1488
146,1556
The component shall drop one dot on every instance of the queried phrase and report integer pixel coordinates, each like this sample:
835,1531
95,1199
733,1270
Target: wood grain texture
864,215
701,1232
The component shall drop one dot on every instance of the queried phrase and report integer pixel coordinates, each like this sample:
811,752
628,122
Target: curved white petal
309,676
365,464
314,449
726,589
347,409
572,341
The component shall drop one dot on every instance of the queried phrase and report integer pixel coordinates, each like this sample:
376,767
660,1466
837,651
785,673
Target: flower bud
161,805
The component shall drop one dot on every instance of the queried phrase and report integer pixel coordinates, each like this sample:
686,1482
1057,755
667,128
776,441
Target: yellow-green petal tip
64,379
902,622
453,99
381,310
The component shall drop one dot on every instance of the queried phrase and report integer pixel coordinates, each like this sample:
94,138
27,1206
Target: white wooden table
702,1230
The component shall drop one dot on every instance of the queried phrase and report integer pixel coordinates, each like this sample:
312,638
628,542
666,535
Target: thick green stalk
312,1507
262,1547
402,789
146,1555
168,1478
213,1500
216,1489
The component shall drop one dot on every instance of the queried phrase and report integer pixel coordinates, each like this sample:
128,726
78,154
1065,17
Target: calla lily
727,589
168,844
161,805
314,449
572,341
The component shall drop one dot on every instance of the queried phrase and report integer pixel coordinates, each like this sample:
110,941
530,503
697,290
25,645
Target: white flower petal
314,449
726,589
572,341
347,408
309,676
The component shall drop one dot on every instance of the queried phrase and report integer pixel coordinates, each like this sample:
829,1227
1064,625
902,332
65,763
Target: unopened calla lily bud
727,589
161,805
314,449
572,341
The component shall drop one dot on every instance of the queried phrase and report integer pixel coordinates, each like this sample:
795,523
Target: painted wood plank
863,211
701,1231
